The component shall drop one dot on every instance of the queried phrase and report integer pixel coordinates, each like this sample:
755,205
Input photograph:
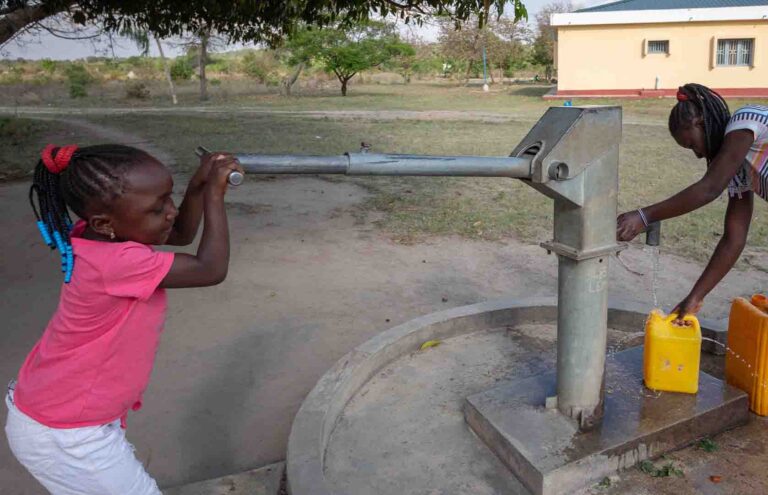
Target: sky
48,46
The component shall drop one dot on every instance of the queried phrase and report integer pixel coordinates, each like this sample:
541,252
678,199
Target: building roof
672,4
665,11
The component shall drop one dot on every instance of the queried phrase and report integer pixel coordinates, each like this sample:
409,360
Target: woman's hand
628,225
688,306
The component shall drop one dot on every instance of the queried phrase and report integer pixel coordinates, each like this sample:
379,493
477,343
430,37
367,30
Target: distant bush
48,65
220,66
78,79
14,75
215,82
136,90
260,65
181,69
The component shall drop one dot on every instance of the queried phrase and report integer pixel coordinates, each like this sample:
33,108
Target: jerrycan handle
688,318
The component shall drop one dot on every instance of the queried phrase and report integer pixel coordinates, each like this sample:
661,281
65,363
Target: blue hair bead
70,264
44,232
59,241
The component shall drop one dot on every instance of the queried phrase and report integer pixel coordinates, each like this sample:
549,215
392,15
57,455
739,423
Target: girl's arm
191,208
209,266
723,167
737,219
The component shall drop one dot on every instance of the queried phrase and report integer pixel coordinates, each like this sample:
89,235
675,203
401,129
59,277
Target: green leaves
347,50
246,20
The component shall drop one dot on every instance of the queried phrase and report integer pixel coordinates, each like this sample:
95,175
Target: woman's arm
211,263
738,216
724,166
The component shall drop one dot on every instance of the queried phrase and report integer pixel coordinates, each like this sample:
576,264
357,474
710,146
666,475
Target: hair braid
699,102
93,177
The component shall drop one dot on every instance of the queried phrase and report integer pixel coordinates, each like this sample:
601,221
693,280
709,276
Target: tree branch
17,20
406,7
55,32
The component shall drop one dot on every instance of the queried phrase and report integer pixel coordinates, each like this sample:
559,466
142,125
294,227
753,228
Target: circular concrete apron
387,418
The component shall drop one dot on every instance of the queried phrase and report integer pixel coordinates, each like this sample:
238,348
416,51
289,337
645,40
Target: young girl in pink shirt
67,411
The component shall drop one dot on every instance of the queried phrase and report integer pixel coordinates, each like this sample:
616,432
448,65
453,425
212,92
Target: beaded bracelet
643,217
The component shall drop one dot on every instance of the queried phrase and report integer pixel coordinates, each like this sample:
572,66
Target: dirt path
371,115
309,280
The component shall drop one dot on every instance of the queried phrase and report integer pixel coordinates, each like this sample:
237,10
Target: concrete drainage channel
332,450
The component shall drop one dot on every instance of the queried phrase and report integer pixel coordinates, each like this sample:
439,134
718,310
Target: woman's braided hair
697,101
78,179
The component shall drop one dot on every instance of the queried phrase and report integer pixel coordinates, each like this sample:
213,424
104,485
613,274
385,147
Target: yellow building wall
611,57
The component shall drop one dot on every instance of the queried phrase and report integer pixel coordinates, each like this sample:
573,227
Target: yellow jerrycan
746,362
672,353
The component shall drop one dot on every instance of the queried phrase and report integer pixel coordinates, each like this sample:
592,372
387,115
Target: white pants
94,460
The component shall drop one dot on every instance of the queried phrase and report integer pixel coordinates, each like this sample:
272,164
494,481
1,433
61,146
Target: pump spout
653,234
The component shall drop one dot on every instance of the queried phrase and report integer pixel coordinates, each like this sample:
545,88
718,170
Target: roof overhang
759,13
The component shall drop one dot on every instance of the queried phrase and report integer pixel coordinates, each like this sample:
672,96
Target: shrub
48,65
14,75
260,65
220,65
79,79
181,69
136,90
215,82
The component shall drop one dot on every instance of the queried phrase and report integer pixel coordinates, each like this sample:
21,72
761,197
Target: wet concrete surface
550,455
404,431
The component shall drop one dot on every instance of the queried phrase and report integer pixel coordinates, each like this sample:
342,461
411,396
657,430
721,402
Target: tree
141,40
198,46
297,52
167,70
544,45
348,50
241,20
503,39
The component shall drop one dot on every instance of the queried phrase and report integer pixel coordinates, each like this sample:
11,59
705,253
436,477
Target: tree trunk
167,70
17,20
288,82
202,58
344,87
469,71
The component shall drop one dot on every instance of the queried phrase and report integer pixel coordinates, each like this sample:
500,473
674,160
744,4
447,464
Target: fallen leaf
715,479
428,344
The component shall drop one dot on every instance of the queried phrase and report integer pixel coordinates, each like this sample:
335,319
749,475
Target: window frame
733,53
657,43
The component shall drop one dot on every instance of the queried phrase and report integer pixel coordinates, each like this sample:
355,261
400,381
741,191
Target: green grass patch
708,445
664,471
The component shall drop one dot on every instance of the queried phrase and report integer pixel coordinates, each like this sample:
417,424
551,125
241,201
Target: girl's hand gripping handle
235,178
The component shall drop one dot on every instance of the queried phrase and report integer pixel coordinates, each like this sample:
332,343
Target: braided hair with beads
77,179
695,101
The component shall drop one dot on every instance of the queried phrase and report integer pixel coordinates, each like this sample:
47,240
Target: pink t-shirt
94,359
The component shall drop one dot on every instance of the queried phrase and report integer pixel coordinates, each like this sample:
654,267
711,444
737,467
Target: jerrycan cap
760,301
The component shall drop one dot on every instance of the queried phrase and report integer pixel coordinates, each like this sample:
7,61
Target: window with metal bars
658,46
735,52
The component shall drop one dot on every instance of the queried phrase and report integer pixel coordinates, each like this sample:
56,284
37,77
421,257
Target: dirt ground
310,278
